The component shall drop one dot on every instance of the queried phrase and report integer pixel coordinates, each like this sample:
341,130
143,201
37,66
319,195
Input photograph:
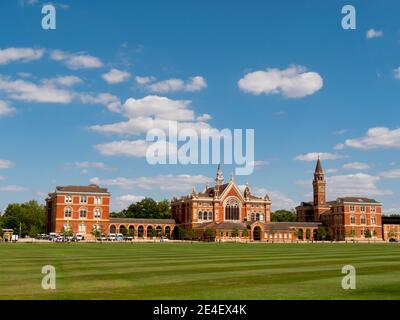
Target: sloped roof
93,188
141,220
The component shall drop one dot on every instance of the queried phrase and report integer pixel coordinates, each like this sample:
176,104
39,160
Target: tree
97,232
245,234
181,233
295,235
191,234
367,234
147,208
321,233
235,233
153,233
29,215
66,232
352,234
209,234
330,234
283,216
391,234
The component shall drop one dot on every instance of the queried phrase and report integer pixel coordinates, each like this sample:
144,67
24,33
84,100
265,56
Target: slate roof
141,221
93,188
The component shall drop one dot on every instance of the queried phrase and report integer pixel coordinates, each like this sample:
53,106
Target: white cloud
31,92
20,54
122,202
64,81
105,99
6,164
115,76
391,174
313,156
293,82
13,188
144,80
279,200
28,2
194,84
159,107
76,61
397,73
359,184
170,182
372,33
6,109
356,166
376,138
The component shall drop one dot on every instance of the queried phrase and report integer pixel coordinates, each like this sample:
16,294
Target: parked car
120,237
60,239
393,240
80,237
53,236
102,238
164,239
112,237
128,238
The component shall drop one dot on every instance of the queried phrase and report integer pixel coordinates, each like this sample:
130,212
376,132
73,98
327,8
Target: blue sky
323,90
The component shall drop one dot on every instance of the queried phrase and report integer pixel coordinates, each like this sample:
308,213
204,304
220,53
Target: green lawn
199,271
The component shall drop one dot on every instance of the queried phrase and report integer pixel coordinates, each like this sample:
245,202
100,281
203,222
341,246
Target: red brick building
230,213
78,208
346,218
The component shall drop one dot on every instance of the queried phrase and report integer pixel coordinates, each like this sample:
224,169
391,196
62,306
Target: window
82,213
261,217
67,227
204,215
257,217
252,217
373,219
362,209
83,199
68,199
210,216
352,219
232,209
82,228
352,209
362,220
200,215
97,200
68,212
373,209
97,213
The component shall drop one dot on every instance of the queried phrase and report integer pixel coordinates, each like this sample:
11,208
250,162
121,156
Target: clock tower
319,186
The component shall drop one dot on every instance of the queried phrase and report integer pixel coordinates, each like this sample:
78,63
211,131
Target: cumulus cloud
293,82
28,91
6,109
313,156
356,166
391,174
122,202
372,33
20,54
376,138
193,84
359,184
115,76
63,81
170,182
6,164
76,61
279,200
105,99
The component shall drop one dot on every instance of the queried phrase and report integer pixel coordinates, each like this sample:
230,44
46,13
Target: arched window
200,215
257,217
113,229
210,216
97,213
140,231
82,213
252,217
167,231
232,209
68,212
159,231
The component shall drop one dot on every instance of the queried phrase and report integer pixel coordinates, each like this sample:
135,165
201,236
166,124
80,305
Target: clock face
321,189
